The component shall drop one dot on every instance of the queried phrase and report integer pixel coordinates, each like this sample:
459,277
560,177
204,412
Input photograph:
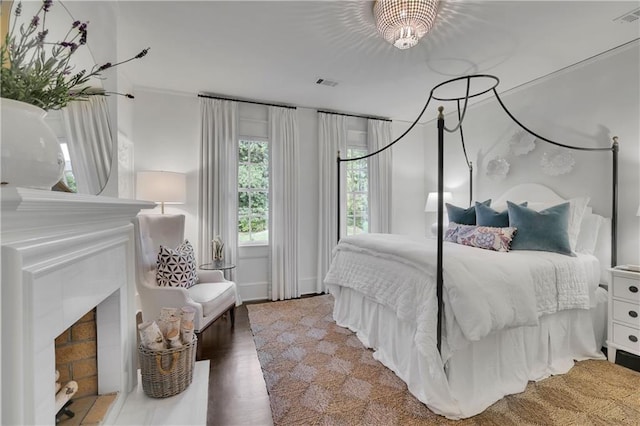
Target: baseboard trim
253,291
307,286
260,290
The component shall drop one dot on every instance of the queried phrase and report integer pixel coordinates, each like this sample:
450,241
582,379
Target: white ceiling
275,51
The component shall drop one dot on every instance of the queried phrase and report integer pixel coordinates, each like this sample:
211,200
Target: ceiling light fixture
404,22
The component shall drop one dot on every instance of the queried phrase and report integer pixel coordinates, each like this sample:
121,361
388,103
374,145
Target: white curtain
332,136
218,176
283,236
378,136
90,142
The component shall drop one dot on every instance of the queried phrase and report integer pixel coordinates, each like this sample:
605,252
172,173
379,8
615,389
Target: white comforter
484,291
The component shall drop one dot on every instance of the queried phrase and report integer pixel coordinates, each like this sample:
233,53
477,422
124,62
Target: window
253,192
68,177
357,192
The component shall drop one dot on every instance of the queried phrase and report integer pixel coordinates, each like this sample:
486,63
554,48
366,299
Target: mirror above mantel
86,130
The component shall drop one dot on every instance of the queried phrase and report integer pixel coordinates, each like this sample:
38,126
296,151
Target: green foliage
357,193
253,190
39,72
71,180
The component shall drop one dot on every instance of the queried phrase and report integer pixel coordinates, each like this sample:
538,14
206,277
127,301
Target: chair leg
232,316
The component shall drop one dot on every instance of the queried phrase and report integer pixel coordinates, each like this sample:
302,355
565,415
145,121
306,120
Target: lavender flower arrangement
38,72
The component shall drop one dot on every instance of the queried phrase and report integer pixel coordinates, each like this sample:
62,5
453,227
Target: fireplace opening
76,364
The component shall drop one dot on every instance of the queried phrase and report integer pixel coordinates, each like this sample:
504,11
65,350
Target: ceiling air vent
628,17
326,82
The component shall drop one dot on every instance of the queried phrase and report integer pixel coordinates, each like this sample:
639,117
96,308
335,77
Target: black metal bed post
614,207
470,182
338,201
440,223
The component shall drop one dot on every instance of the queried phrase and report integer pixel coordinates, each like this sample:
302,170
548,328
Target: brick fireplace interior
76,359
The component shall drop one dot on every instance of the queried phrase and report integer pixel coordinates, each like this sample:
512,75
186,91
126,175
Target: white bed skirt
485,370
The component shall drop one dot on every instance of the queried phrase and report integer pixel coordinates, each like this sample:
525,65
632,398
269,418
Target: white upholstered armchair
211,297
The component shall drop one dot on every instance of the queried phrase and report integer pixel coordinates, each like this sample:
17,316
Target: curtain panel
218,177
379,136
283,235
332,137
90,143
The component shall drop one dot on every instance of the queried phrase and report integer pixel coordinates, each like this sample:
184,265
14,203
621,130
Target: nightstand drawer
627,337
626,288
628,313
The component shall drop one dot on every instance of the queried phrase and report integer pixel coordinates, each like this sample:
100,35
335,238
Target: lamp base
434,227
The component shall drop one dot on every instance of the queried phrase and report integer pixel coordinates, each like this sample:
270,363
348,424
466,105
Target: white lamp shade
161,186
638,213
432,201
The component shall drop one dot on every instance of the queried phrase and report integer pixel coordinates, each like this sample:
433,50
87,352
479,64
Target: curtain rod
245,101
355,115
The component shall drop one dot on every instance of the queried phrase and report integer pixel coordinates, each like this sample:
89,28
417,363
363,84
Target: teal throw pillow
486,216
546,230
463,216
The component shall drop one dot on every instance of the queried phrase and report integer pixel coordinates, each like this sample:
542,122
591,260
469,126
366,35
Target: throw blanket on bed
485,290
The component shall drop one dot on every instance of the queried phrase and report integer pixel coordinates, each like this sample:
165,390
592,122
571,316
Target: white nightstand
624,313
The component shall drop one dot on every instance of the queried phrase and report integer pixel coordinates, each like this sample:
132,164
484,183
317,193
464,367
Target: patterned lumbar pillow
486,237
451,234
176,267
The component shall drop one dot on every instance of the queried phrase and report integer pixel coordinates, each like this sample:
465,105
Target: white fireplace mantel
62,255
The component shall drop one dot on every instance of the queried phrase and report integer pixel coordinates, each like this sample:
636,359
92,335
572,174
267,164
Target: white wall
408,180
166,134
585,105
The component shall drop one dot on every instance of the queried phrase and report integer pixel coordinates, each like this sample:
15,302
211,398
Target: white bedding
509,317
484,291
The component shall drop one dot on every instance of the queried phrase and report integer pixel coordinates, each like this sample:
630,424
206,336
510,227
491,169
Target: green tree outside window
253,191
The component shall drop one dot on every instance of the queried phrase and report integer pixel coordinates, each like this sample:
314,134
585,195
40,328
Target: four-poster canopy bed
373,278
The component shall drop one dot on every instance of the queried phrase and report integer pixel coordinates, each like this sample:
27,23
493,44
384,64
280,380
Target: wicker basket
167,372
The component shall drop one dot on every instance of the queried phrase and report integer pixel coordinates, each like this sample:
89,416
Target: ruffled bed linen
385,291
486,370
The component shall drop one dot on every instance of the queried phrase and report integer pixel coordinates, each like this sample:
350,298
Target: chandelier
404,22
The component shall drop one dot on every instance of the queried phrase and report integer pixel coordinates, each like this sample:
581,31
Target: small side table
218,265
624,313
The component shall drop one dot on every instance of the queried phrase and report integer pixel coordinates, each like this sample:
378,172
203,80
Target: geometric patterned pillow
486,237
176,267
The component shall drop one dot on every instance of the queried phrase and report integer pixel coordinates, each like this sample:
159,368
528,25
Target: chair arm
210,276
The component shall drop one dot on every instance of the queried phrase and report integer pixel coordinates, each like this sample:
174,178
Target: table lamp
432,206
161,187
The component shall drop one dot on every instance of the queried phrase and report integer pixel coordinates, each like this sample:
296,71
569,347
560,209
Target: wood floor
237,391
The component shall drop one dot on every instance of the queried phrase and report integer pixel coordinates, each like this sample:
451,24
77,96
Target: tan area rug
320,374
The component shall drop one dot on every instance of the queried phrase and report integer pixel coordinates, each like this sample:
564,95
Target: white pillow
588,236
577,208
603,249
500,207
